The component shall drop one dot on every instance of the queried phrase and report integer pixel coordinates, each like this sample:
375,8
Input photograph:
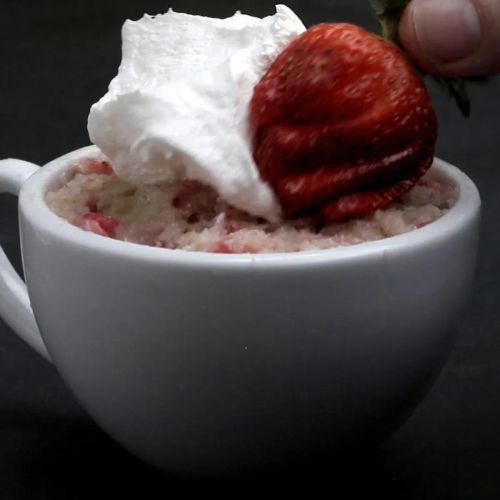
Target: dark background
56,60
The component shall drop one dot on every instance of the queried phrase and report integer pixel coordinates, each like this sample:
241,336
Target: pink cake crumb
188,215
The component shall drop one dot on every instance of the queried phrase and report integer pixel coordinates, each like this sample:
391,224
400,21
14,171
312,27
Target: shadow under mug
210,364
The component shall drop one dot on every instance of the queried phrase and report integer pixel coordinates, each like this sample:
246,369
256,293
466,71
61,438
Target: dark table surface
57,59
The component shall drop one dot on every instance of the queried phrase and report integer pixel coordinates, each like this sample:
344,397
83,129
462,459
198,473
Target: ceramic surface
208,364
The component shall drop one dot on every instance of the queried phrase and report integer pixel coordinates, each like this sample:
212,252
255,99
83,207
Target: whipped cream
179,106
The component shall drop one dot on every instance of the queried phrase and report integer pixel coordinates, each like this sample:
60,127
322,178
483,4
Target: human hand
453,37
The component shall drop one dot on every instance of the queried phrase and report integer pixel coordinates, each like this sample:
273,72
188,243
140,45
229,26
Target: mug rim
33,208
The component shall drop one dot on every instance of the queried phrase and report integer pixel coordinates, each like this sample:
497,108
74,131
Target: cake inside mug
188,215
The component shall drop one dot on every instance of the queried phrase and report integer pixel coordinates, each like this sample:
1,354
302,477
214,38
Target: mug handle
15,306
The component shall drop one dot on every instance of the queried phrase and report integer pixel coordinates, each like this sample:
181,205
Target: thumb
453,37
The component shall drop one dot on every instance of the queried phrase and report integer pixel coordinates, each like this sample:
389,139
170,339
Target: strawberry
89,166
342,123
100,224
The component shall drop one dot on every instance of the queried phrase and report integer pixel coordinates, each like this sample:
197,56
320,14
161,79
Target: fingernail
447,30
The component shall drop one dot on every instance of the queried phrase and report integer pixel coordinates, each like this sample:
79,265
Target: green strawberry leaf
389,14
457,90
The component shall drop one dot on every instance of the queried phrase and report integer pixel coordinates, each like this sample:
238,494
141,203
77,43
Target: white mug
209,364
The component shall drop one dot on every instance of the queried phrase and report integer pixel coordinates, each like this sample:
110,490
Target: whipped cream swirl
179,106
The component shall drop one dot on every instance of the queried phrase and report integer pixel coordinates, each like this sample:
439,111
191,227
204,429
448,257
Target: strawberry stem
389,13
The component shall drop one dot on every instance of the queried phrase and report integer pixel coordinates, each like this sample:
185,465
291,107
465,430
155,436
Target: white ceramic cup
207,364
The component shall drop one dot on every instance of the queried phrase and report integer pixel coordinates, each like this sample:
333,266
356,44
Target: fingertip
439,34
410,40
407,33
